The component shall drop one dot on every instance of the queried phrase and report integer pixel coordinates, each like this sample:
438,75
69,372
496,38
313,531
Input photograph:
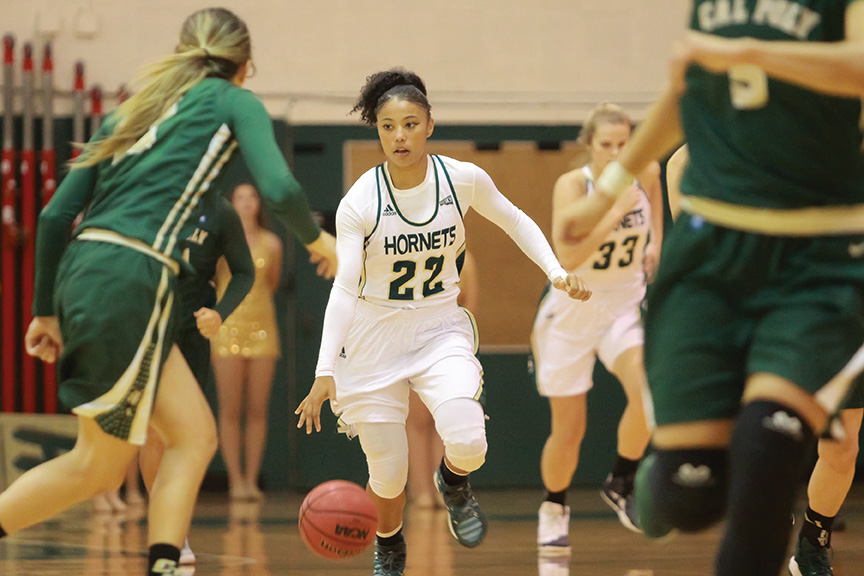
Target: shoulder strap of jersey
589,179
449,183
379,173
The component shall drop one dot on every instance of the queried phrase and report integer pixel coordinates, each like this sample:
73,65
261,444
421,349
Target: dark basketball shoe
618,494
810,560
468,523
389,560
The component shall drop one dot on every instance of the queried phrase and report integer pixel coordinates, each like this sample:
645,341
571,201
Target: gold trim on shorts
111,237
124,411
812,221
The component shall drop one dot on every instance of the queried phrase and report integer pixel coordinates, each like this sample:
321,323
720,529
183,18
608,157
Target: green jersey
151,192
760,142
216,232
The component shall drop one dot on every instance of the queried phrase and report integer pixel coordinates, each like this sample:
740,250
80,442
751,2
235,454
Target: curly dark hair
382,87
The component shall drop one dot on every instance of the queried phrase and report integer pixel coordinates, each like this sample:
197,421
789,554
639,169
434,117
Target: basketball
337,519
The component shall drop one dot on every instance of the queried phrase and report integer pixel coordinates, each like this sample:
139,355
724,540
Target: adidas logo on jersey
388,211
692,476
446,201
783,423
342,353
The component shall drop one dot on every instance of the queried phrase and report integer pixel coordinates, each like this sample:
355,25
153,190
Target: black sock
817,528
625,468
557,497
767,455
391,540
163,559
450,477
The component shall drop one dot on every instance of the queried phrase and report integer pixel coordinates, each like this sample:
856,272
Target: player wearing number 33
392,323
615,258
757,309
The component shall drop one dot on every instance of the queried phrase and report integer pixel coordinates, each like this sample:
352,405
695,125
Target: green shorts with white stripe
115,307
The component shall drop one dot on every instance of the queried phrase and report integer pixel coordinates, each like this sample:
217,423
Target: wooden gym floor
262,540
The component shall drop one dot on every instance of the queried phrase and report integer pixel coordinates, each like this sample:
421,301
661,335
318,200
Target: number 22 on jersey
407,270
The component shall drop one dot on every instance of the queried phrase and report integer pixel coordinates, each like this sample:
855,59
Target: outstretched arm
657,135
835,68
650,181
495,207
254,131
571,189
674,171
338,316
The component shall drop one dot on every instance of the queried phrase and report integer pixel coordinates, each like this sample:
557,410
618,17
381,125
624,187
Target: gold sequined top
250,331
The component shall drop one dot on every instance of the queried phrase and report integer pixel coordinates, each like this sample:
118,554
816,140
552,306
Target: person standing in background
245,351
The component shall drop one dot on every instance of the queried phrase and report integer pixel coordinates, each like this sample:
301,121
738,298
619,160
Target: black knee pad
689,487
769,451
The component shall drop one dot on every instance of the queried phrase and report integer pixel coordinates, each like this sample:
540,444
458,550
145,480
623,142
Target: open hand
323,253
324,388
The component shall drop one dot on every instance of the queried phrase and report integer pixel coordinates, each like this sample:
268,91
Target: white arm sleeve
495,207
342,304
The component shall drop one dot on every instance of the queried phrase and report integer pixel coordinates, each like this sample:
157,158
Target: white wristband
614,180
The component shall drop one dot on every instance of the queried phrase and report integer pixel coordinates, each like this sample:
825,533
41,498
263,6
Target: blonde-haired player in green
107,309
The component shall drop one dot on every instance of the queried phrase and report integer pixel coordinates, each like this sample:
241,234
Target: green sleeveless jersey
153,190
216,232
760,142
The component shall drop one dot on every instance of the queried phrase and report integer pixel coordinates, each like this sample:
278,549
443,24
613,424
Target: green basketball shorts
115,308
728,304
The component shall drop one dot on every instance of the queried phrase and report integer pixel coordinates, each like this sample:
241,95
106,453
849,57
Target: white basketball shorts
390,351
568,335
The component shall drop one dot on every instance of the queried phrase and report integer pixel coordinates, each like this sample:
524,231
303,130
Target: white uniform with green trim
392,322
568,336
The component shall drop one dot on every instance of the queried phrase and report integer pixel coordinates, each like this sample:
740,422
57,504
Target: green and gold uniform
217,232
764,270
116,283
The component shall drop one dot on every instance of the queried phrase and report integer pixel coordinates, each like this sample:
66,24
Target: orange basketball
337,519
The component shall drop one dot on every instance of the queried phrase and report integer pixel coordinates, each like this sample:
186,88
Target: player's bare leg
829,484
260,382
633,437
95,465
183,419
558,463
231,386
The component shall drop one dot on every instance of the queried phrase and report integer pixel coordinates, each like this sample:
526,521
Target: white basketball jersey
415,263
618,260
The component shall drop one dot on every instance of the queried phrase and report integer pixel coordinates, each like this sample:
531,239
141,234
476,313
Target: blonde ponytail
214,42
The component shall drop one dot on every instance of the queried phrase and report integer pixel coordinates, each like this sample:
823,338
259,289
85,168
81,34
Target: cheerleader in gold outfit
246,350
